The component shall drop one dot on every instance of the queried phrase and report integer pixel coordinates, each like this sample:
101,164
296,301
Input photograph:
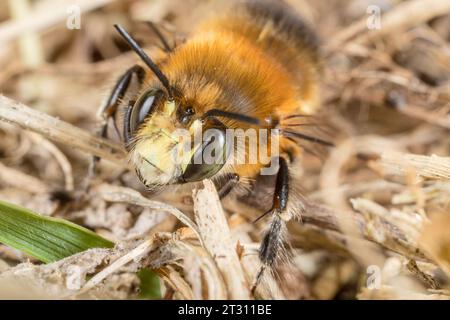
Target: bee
255,66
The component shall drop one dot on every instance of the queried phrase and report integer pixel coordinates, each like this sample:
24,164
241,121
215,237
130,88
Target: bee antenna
231,115
148,61
298,135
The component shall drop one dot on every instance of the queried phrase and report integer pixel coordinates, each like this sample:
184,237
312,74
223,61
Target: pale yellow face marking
169,107
168,135
157,149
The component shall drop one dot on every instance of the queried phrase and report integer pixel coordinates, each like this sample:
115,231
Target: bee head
169,143
166,145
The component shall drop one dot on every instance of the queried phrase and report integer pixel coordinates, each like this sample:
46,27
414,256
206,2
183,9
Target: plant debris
376,208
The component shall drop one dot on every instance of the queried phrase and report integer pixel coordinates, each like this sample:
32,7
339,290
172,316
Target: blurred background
385,90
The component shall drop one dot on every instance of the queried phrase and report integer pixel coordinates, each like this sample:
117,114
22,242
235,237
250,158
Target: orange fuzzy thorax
248,61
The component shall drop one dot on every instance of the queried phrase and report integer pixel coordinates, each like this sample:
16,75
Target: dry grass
377,207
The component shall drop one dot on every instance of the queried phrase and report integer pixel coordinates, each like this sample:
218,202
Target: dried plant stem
45,18
409,14
18,179
30,46
324,217
429,167
60,131
217,238
60,157
127,195
405,15
423,114
116,265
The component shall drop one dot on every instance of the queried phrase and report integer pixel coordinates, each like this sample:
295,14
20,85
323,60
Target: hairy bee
254,67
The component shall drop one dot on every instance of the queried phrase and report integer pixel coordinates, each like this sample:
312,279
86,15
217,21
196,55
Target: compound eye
143,107
208,158
186,115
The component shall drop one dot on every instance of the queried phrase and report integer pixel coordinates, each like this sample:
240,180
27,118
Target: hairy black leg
161,37
109,110
232,181
272,242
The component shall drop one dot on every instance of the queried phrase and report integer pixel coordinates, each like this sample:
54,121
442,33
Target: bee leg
109,110
229,185
161,37
273,241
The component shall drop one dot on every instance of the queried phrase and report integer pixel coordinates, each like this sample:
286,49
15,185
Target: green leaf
44,238
150,287
51,239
